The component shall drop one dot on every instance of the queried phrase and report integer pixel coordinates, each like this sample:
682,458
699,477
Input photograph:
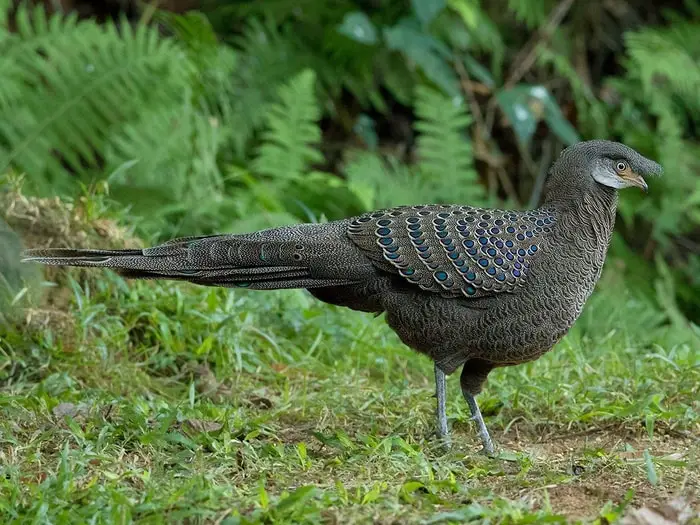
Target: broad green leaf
428,53
651,469
479,72
296,499
467,10
515,106
427,10
358,27
561,127
524,106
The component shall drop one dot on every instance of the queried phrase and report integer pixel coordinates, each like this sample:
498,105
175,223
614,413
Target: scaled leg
476,416
473,377
440,394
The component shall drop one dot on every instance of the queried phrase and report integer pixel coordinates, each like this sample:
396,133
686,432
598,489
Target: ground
162,402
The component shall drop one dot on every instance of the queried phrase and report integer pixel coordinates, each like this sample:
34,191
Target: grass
160,402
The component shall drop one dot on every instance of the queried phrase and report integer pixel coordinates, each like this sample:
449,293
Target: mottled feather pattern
456,250
464,285
509,328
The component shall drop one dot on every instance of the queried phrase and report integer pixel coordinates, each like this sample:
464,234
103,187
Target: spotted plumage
455,250
471,287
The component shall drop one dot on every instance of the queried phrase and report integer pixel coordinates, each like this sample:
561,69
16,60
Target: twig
524,60
541,175
467,87
483,134
148,11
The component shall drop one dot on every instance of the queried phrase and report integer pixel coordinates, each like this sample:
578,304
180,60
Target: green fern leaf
267,59
290,141
79,80
531,12
444,151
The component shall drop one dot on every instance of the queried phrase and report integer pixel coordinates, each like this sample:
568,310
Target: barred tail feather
264,260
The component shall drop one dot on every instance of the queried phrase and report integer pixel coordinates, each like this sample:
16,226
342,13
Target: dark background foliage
207,115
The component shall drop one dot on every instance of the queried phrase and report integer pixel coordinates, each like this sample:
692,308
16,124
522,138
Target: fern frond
380,182
290,141
668,55
79,80
444,151
267,59
666,63
531,12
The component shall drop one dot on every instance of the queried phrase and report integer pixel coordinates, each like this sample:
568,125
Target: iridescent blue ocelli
441,276
385,241
384,222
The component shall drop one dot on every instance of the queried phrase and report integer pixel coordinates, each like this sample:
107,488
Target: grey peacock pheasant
471,287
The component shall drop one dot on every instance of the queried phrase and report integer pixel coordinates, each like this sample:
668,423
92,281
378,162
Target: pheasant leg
440,394
476,416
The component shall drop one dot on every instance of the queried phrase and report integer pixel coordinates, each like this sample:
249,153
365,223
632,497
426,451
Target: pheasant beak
634,179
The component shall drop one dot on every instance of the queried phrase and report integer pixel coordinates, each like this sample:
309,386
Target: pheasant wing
454,250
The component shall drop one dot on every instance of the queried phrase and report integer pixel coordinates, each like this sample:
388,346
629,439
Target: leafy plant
70,84
290,143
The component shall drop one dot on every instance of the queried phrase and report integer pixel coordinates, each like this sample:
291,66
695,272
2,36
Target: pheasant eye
621,166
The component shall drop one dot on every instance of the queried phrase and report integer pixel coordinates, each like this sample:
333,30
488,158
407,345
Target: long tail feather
305,256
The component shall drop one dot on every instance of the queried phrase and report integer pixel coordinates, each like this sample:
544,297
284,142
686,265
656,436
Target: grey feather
466,286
